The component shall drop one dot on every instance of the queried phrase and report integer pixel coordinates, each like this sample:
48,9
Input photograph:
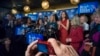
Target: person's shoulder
86,24
67,19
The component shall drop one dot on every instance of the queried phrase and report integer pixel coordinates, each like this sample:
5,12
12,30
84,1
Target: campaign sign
30,37
19,31
71,12
33,17
88,7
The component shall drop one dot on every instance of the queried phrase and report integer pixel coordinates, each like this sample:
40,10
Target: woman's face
82,19
63,15
7,42
97,19
29,21
73,21
52,18
40,22
9,17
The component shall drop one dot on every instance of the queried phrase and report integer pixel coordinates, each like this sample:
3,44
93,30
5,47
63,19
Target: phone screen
42,48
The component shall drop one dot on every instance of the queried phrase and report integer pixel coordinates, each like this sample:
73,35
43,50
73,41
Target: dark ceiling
8,4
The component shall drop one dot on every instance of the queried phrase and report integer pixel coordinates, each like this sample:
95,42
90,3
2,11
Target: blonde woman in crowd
76,33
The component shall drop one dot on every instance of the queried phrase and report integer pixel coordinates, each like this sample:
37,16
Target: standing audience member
19,44
2,31
92,23
8,24
45,20
6,48
52,25
59,49
76,33
29,22
95,35
63,26
40,25
52,22
85,25
29,25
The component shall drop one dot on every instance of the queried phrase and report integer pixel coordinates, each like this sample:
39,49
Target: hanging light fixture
45,4
14,11
26,8
74,1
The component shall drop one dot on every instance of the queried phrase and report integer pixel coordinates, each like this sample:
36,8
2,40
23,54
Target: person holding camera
59,49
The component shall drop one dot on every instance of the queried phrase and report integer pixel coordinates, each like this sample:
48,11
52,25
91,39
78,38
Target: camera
45,47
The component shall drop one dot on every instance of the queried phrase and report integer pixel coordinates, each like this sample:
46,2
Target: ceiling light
55,11
14,11
45,4
74,1
26,8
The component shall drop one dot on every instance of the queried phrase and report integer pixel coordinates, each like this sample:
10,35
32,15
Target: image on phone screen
42,48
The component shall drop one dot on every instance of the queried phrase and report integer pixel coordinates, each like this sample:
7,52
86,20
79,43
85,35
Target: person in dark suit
2,31
8,24
6,48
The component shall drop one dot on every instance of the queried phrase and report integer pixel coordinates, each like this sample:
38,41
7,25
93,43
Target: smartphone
45,47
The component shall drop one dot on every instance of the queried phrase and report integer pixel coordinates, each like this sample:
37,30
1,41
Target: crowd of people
76,32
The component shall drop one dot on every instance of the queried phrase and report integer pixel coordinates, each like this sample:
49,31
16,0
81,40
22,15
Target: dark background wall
3,12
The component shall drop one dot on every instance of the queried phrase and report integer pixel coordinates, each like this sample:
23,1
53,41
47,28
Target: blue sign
19,31
19,16
88,7
30,37
33,17
71,12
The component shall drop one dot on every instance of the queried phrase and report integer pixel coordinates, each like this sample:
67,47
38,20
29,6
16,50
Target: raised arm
67,25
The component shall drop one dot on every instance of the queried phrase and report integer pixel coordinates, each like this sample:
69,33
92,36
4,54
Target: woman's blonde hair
53,18
75,21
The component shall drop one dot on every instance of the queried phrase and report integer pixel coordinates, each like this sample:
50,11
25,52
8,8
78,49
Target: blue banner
88,7
30,37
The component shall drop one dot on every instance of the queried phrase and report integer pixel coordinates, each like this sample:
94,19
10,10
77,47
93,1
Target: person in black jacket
2,31
6,48
8,24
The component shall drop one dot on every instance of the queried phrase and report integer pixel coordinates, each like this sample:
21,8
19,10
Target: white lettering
86,8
